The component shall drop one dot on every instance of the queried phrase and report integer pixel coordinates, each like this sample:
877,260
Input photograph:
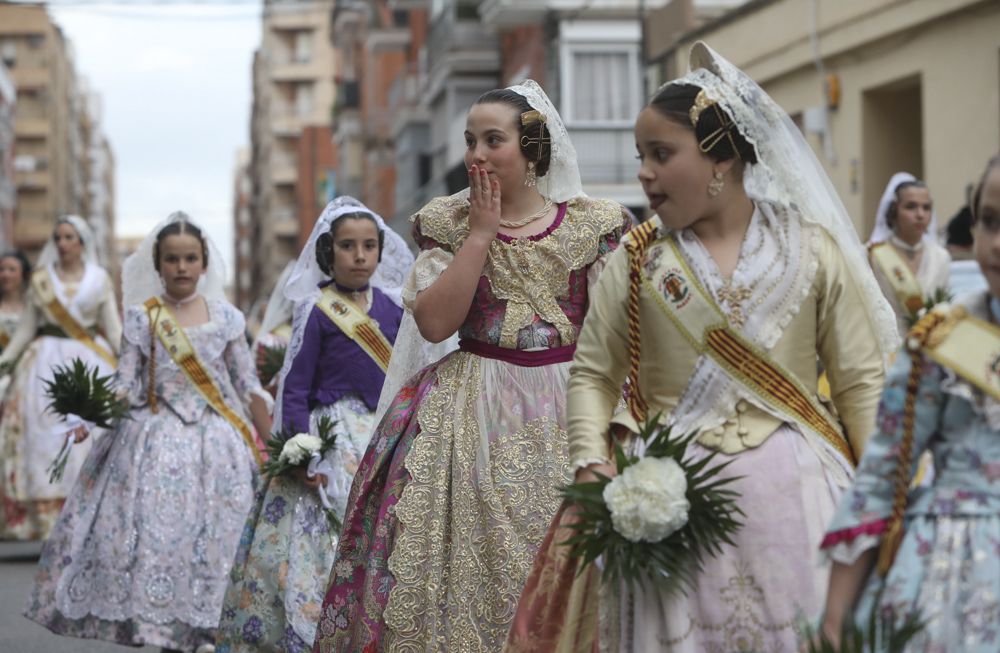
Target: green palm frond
272,359
78,389
883,635
673,563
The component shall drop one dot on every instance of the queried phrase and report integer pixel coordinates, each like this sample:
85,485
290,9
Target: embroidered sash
695,314
909,294
963,343
57,313
356,325
184,354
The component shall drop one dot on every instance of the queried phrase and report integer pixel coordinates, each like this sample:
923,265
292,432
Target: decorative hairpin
529,117
534,115
701,102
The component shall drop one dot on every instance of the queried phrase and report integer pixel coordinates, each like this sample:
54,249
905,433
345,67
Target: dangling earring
531,178
716,185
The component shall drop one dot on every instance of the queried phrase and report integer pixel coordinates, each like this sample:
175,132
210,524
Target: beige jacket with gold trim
831,323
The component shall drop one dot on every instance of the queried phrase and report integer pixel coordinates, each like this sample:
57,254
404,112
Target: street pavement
18,634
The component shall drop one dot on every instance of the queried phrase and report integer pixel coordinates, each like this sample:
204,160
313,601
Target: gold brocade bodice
530,275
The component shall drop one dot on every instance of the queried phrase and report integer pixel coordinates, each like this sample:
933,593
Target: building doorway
892,137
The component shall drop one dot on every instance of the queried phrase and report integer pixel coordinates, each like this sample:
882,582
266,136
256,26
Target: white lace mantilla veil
788,174
561,183
302,286
50,254
882,230
140,280
279,308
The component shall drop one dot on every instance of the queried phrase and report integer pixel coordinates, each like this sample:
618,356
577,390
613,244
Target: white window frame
583,38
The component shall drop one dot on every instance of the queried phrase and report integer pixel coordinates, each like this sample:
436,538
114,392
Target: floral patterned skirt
947,570
142,550
448,509
283,563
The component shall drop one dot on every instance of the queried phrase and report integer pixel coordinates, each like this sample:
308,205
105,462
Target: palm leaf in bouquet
77,389
270,363
286,450
882,635
671,562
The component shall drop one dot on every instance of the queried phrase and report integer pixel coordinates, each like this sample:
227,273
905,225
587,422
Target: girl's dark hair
893,209
60,221
175,229
324,243
977,196
19,256
535,140
715,127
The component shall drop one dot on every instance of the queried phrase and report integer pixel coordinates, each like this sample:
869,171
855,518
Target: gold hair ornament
527,118
702,102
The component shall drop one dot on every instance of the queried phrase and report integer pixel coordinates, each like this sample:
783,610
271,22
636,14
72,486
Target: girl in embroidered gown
946,569
15,271
747,233
459,481
142,550
907,226
287,550
71,313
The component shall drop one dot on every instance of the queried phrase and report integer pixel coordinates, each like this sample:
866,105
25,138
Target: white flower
647,501
300,448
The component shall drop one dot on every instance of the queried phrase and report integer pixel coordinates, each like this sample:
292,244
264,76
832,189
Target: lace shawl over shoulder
528,273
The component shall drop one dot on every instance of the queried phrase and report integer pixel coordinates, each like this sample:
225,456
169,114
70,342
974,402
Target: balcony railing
455,32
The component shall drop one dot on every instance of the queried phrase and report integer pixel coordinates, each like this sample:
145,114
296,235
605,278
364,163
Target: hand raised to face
484,203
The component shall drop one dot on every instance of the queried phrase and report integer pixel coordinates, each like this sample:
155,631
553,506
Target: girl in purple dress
334,371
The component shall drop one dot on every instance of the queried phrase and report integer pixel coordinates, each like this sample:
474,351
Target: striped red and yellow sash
175,340
904,284
356,325
699,319
60,315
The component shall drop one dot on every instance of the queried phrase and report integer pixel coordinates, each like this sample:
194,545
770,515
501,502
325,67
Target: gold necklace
528,219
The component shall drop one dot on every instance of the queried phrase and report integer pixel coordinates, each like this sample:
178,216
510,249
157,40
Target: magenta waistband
518,356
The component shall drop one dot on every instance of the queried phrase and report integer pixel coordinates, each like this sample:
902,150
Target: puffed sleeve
134,351
599,365
608,243
864,509
848,346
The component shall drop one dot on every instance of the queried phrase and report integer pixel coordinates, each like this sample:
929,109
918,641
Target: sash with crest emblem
182,352
356,325
44,289
677,292
904,284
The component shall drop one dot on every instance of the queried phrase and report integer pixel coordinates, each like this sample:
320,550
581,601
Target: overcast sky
176,89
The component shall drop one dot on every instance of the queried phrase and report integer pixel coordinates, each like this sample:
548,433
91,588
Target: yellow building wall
949,49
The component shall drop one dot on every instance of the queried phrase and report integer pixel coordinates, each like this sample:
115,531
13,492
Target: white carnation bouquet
659,517
286,452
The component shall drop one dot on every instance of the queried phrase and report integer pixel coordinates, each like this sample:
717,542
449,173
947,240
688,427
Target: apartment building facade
877,86
293,89
62,161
